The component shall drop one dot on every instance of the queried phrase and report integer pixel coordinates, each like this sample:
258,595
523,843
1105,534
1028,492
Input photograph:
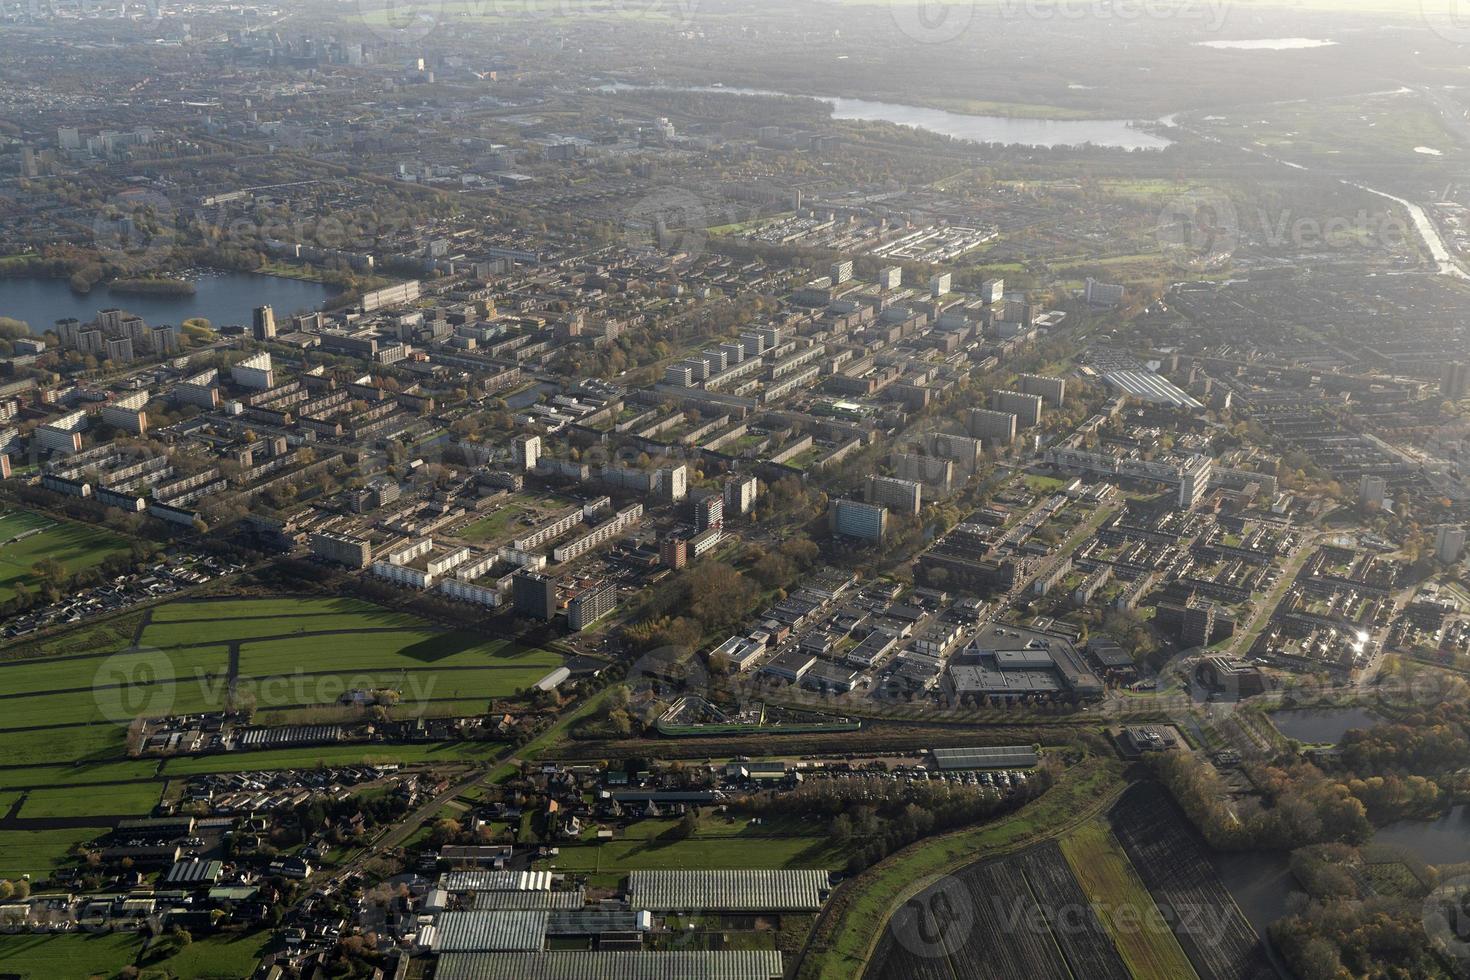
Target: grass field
36,852
496,525
127,799
65,702
1123,904
217,609
223,957
79,956
77,546
716,844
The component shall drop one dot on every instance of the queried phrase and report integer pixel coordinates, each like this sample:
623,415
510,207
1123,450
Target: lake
1442,841
220,297
1009,130
1322,726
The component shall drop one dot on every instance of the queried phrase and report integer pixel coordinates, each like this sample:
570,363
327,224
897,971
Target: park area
27,538
66,702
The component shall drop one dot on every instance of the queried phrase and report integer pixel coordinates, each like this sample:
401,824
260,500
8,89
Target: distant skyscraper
1371,490
1455,383
264,323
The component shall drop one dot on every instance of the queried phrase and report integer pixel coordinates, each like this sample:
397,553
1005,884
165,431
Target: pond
1442,841
1322,726
1009,130
220,297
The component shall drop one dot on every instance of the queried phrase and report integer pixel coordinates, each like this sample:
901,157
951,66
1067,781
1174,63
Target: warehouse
987,757
727,891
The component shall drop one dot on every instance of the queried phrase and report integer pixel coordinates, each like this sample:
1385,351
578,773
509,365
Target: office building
63,435
673,552
998,427
591,604
1455,383
1449,543
740,492
254,372
1053,391
855,519
534,595
904,496
127,413
1026,408
1372,490
342,549
526,451
263,326
709,511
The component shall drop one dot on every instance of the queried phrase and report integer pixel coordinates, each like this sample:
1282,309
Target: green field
216,609
66,702
222,957
36,852
127,799
194,632
496,525
715,844
79,955
77,546
1123,904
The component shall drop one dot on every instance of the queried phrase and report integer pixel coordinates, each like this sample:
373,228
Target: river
220,297
1008,130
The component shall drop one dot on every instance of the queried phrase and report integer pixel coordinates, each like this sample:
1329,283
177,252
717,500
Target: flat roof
986,757
727,891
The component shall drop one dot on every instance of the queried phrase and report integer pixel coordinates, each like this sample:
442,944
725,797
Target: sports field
65,705
26,538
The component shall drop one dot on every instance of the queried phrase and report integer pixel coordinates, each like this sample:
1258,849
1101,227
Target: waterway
1008,130
222,298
